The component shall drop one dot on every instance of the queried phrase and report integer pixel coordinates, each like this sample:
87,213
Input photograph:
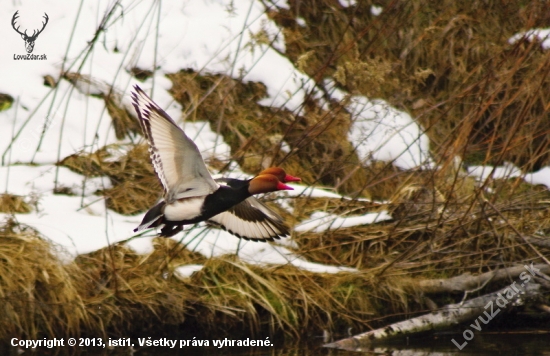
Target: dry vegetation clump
114,291
14,204
285,299
124,123
227,295
127,292
141,74
39,296
135,187
432,234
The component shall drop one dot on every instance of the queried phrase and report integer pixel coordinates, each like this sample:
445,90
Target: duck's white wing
176,159
252,220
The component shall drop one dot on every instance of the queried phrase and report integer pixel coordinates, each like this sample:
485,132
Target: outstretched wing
252,220
176,159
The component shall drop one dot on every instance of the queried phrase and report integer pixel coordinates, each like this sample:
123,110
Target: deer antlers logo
29,40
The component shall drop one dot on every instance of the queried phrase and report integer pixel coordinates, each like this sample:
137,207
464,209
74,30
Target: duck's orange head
265,183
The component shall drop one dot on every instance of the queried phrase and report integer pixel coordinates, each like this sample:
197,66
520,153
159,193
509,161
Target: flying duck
191,195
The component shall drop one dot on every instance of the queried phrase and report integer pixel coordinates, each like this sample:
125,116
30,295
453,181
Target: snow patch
321,221
376,10
381,132
186,271
542,35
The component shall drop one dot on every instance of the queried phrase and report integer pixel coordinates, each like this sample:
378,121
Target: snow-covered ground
45,124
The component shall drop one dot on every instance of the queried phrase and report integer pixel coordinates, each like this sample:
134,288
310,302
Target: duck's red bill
282,186
290,178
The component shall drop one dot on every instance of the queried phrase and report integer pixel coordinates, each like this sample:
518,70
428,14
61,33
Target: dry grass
116,292
135,187
286,299
228,294
479,96
124,123
14,204
39,295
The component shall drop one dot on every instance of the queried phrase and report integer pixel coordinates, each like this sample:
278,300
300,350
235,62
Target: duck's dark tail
170,230
153,218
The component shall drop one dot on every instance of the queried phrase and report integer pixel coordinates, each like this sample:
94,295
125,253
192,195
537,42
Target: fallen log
466,282
483,308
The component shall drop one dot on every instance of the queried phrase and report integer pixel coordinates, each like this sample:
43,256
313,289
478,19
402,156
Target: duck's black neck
226,196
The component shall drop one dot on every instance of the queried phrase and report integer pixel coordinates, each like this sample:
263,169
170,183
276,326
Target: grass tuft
12,204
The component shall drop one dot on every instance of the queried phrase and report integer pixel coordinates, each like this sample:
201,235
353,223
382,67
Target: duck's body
191,195
192,210
231,207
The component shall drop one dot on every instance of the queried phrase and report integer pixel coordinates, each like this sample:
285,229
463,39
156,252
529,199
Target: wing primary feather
175,157
251,220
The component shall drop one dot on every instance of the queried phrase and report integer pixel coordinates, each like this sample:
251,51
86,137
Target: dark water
513,343
482,344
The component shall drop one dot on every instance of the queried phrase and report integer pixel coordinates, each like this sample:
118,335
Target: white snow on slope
381,132
321,221
214,242
186,271
509,170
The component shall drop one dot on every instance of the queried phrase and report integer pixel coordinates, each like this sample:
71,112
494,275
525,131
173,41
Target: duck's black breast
225,197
